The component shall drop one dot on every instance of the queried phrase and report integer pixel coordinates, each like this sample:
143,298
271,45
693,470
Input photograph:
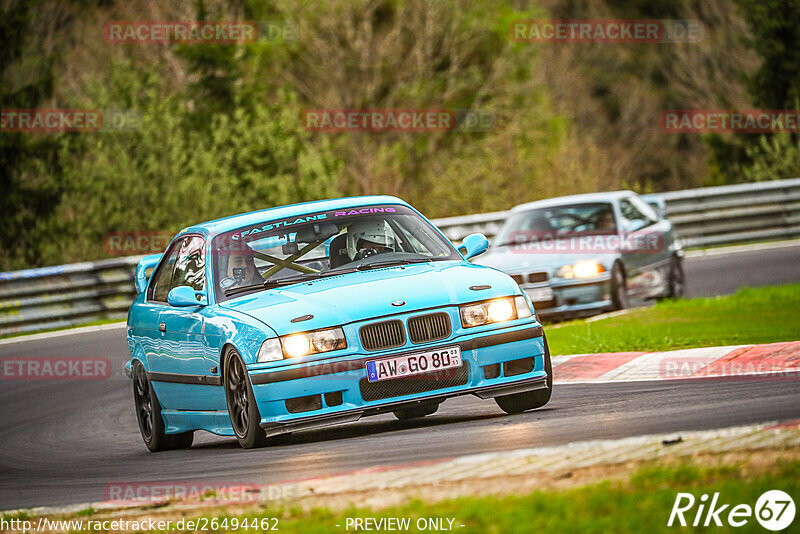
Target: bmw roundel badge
399,303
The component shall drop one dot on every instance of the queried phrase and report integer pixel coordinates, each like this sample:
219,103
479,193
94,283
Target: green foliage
773,156
775,84
30,189
416,54
221,129
171,173
775,28
214,69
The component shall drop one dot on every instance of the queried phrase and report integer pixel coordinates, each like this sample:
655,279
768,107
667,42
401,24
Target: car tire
528,400
619,288
242,409
416,412
148,414
677,279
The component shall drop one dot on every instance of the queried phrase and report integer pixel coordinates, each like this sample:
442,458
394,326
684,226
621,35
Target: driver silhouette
242,267
367,238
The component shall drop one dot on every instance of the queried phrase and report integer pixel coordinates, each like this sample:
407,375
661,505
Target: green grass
641,504
752,315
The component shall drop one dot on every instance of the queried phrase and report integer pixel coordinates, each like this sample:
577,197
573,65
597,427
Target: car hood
514,261
358,296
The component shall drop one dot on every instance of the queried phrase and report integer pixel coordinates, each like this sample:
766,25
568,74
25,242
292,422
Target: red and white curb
774,360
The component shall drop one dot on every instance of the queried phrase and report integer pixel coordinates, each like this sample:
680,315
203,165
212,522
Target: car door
644,253
189,365
148,319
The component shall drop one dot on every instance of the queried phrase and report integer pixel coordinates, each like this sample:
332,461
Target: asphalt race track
723,272
62,442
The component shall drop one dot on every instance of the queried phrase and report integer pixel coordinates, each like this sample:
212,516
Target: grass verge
621,498
752,315
640,504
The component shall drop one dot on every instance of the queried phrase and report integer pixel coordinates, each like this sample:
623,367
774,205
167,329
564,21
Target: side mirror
183,296
473,245
145,264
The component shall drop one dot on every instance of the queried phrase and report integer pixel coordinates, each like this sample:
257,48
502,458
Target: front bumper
497,362
349,416
572,298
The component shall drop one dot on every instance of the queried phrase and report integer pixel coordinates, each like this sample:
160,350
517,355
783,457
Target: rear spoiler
148,262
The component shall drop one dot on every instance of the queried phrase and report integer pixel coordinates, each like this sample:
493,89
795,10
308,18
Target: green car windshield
273,253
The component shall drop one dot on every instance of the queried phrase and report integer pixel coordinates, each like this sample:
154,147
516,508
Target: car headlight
501,310
270,351
494,311
297,345
581,269
523,308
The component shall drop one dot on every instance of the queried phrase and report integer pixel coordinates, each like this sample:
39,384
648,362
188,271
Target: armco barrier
64,295
709,216
53,297
736,213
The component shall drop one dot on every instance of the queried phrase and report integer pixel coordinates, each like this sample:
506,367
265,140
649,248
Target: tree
775,36
775,28
28,177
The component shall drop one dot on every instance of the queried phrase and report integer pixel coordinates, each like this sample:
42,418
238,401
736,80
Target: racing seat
338,251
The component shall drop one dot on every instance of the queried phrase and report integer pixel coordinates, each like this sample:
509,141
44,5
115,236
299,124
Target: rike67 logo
774,510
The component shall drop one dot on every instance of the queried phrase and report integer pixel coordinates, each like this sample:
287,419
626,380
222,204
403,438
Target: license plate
540,294
414,364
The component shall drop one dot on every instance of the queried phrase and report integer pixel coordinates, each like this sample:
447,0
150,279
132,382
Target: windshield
570,219
281,252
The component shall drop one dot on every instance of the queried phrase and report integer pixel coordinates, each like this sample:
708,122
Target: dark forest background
220,128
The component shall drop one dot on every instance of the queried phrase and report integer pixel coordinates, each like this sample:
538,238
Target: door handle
162,327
